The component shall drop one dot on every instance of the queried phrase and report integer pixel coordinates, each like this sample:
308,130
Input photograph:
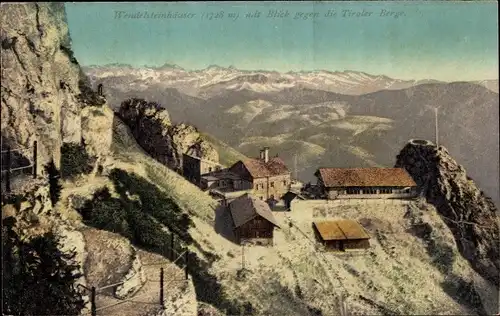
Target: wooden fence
171,254
6,163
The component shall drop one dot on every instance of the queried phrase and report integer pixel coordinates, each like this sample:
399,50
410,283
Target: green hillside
227,154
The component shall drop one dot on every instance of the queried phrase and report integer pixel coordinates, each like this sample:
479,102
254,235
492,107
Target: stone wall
373,196
265,187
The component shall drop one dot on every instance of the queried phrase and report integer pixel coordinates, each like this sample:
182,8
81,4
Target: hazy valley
322,118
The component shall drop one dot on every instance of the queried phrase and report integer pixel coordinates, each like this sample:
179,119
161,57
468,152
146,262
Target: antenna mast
437,131
295,166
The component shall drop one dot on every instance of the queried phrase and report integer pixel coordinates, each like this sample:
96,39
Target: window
284,182
272,184
209,169
261,198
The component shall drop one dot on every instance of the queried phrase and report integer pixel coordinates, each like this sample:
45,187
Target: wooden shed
253,220
341,235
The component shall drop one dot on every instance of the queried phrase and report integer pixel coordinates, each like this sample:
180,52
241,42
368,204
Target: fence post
34,158
7,176
186,254
162,303
172,246
93,308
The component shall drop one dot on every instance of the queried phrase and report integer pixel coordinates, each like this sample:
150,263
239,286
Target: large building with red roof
359,183
266,178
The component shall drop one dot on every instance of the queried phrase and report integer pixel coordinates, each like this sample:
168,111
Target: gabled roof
365,177
246,207
341,229
258,168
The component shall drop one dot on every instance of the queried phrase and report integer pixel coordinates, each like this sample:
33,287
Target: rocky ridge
45,97
151,126
469,213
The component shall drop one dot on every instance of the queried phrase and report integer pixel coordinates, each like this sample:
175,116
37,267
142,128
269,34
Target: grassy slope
227,154
399,272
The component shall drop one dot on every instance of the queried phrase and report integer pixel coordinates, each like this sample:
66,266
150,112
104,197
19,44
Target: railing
6,164
172,254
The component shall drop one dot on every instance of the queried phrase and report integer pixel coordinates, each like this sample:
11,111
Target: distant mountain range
324,118
214,79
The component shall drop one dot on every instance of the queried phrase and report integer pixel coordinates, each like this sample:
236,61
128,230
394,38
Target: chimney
266,154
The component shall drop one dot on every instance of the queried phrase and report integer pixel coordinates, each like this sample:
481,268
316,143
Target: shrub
75,160
54,186
108,213
69,52
87,95
37,278
153,202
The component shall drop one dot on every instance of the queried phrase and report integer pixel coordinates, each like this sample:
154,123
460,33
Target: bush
37,278
75,160
106,212
153,202
87,95
54,186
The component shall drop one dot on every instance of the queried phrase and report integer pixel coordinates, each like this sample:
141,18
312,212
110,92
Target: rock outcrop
43,87
133,280
151,126
471,216
97,132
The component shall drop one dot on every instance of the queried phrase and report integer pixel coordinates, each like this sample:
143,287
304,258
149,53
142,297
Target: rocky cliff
43,88
45,97
151,126
470,215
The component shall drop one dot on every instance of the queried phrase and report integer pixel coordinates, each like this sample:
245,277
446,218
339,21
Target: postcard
250,158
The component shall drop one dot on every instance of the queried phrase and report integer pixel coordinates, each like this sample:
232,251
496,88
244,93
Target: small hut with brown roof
253,220
366,183
269,178
341,235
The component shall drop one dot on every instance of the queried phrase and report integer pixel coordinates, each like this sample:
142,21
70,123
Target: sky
448,41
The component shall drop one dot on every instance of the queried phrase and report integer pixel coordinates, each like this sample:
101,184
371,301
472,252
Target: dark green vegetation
37,278
54,186
87,95
140,213
69,52
75,160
